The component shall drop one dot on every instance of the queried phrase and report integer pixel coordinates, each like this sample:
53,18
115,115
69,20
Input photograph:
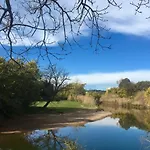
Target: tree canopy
19,86
142,85
128,86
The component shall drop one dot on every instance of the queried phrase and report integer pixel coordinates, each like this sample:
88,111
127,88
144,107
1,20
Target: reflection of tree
127,120
139,118
49,140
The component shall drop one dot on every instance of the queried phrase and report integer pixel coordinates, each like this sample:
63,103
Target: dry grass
114,98
139,98
84,99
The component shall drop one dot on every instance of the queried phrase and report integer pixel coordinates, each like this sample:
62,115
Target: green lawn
61,106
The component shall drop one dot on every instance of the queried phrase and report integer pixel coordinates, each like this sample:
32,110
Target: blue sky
129,56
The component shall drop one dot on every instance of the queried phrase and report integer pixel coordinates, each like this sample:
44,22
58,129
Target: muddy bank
50,121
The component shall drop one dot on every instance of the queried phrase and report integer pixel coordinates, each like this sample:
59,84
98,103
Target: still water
126,130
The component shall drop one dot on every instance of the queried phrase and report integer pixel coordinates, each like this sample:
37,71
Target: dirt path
50,121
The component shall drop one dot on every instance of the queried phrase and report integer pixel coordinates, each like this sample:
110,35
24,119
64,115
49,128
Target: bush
122,93
112,91
62,95
19,85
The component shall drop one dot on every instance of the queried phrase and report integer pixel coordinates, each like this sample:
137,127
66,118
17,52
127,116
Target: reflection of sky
105,134
105,122
37,133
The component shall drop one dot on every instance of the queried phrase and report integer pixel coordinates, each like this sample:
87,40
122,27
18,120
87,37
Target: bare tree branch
48,18
38,24
55,78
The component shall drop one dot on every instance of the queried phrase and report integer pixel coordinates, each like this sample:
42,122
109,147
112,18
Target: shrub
19,85
122,93
112,91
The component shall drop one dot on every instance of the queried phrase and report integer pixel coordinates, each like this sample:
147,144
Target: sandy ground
50,121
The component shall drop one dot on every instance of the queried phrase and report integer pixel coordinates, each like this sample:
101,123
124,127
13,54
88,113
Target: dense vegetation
23,84
128,92
130,117
19,85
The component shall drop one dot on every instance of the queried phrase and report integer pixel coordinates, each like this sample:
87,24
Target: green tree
124,83
127,85
142,85
20,85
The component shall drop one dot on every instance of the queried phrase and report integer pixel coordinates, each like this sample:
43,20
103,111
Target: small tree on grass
55,80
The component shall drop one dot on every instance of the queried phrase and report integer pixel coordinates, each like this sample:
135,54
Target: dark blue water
105,134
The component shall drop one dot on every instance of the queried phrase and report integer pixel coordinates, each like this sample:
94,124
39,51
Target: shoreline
32,122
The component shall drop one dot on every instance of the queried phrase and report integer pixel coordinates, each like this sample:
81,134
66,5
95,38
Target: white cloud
112,77
20,7
121,21
125,20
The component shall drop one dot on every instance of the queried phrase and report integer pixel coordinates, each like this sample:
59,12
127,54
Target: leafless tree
23,21
56,78
138,4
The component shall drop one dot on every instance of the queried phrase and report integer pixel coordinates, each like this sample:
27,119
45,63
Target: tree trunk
51,99
46,104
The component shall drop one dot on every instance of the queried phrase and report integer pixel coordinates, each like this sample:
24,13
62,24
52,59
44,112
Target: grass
59,107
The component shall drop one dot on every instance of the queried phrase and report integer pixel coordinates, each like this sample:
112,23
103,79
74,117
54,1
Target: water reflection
131,117
129,120
37,140
49,140
125,129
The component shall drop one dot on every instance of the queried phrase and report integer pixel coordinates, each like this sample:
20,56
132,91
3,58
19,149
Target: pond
124,130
